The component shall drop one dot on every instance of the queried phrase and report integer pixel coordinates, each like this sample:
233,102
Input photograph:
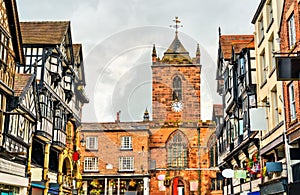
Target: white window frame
126,163
92,143
261,29
126,142
264,67
292,30
270,12
90,164
292,102
271,55
275,107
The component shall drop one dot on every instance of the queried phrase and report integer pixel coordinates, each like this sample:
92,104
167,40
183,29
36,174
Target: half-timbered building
18,110
238,145
49,53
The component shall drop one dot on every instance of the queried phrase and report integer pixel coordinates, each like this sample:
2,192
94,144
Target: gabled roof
22,82
44,32
237,41
176,50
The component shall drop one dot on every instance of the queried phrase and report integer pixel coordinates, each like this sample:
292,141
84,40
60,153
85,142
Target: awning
38,185
53,188
273,187
254,193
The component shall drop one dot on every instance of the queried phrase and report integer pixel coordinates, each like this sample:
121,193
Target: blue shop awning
253,193
53,188
38,185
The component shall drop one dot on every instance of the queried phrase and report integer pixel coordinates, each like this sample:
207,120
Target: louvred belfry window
177,88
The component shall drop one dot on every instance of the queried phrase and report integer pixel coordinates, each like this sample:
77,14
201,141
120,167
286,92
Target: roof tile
238,41
43,32
21,81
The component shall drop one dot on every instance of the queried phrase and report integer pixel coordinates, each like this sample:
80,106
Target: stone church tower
176,84
176,129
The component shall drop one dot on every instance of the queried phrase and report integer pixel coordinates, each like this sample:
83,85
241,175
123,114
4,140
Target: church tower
176,129
176,83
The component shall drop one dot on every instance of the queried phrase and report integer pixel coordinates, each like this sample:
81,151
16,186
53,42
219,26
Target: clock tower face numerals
177,106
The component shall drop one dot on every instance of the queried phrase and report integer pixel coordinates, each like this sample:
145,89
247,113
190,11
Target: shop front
278,187
115,185
37,188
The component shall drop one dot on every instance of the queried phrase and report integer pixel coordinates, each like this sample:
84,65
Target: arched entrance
179,186
67,176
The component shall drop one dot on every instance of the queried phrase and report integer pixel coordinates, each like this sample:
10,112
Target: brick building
289,33
115,158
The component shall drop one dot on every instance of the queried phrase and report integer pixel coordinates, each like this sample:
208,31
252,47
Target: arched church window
177,151
177,88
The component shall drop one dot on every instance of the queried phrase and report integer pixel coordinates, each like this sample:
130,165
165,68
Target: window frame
264,68
90,164
177,87
127,161
261,29
292,102
126,144
291,30
270,12
275,108
88,143
177,149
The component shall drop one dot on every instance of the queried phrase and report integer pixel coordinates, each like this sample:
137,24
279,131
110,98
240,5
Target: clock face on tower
177,106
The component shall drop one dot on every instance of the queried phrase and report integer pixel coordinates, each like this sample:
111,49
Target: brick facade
290,7
162,78
109,151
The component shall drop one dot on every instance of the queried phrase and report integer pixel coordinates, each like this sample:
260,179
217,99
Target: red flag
175,184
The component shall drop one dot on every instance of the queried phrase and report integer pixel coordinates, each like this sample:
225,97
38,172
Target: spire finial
154,51
198,54
177,24
198,50
146,115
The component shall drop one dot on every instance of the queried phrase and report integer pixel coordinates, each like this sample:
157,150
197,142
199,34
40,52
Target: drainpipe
199,164
287,146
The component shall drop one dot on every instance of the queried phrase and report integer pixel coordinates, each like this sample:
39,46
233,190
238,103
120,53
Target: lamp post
199,164
82,141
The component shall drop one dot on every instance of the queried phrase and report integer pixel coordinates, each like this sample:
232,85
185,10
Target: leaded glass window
177,151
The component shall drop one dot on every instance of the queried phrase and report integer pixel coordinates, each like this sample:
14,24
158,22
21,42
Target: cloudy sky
118,36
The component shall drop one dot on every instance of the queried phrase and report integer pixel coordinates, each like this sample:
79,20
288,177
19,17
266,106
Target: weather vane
177,24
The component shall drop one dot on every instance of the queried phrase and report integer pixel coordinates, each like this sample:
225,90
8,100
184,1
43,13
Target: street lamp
82,141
